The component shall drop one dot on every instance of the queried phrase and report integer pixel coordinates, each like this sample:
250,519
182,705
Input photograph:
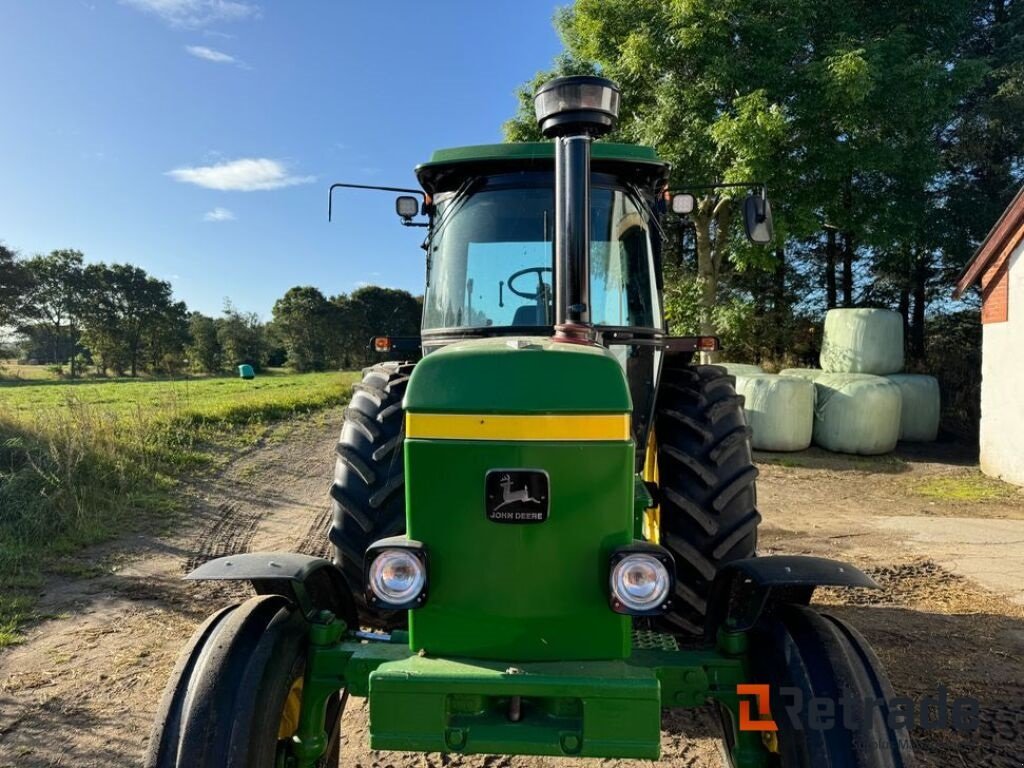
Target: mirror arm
759,185
341,185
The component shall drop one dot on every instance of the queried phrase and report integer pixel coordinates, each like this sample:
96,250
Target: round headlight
640,582
397,576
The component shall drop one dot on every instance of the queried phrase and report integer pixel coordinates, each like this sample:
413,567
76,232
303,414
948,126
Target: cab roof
448,167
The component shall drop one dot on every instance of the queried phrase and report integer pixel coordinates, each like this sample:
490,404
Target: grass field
217,397
81,461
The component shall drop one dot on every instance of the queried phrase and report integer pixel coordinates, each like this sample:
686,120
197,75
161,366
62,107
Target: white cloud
195,13
219,214
245,175
209,54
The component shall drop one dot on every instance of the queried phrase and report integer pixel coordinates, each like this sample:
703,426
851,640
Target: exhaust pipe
574,111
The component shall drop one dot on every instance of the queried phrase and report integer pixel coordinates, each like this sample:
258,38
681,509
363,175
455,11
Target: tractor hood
519,484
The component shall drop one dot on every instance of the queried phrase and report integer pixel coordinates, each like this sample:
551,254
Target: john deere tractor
545,526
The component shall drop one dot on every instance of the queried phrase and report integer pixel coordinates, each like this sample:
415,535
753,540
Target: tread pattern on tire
708,497
368,493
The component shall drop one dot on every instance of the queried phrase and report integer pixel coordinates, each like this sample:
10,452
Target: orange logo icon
763,721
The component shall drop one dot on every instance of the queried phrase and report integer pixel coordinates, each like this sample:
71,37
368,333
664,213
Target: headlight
641,580
396,574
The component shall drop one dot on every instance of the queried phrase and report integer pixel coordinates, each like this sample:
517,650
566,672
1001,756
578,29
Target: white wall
1002,385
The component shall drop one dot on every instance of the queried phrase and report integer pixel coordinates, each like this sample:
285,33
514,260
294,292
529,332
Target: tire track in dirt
315,542
231,533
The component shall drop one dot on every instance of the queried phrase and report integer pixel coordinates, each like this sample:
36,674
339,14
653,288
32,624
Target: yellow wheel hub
289,724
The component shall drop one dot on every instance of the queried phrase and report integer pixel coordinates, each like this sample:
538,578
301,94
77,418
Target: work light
396,574
641,580
582,104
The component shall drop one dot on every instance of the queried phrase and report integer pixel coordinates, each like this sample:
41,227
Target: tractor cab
491,242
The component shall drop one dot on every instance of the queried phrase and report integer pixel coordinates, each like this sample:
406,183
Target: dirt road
81,690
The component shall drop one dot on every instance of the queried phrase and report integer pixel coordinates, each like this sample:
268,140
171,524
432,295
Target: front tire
823,658
707,492
225,704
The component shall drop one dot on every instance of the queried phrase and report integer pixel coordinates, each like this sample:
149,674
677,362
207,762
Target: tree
14,282
374,311
128,310
166,337
203,348
241,337
54,299
303,317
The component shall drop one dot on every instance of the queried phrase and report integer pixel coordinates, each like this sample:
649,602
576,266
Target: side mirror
683,203
757,218
407,207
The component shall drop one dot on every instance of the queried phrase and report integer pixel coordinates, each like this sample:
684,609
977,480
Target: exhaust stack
574,111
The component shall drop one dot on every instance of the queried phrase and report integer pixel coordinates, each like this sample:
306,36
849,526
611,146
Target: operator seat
528,315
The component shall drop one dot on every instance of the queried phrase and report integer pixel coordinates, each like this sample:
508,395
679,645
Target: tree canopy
889,133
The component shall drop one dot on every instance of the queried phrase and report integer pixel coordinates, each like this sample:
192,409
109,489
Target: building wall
1002,375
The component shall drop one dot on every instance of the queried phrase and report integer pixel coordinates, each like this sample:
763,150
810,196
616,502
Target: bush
953,350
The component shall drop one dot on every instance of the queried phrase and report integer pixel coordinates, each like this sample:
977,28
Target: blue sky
197,138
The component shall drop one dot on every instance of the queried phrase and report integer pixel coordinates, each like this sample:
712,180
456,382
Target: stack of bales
862,403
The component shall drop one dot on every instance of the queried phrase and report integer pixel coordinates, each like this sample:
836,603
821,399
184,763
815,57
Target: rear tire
707,491
368,494
824,658
223,705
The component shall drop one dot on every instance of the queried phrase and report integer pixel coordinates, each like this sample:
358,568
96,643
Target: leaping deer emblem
508,496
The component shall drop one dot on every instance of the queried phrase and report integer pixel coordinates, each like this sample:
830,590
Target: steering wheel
540,282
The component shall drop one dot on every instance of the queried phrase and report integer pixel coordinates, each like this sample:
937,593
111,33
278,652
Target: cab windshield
491,259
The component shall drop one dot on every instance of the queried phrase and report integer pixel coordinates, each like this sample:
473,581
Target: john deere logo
517,495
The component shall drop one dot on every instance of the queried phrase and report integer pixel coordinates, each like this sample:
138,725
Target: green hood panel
527,375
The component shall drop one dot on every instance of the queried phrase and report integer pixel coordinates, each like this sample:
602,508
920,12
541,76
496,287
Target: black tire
706,483
223,704
824,658
368,494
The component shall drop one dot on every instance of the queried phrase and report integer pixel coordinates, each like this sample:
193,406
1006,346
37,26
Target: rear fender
745,590
311,583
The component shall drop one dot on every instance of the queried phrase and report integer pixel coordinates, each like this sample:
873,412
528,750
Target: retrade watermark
932,712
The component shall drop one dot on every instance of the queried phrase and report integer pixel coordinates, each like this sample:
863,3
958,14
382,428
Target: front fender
744,589
312,583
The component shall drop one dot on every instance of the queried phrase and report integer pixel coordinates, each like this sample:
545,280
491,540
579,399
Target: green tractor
545,528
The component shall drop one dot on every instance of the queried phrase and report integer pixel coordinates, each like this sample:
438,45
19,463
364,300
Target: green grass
83,461
968,487
12,369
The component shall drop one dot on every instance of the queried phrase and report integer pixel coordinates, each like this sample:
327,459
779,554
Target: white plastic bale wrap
740,369
862,341
919,418
810,374
780,411
857,413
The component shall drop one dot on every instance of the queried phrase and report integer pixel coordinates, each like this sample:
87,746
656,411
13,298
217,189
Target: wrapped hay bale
919,417
857,413
780,411
810,374
740,369
862,341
